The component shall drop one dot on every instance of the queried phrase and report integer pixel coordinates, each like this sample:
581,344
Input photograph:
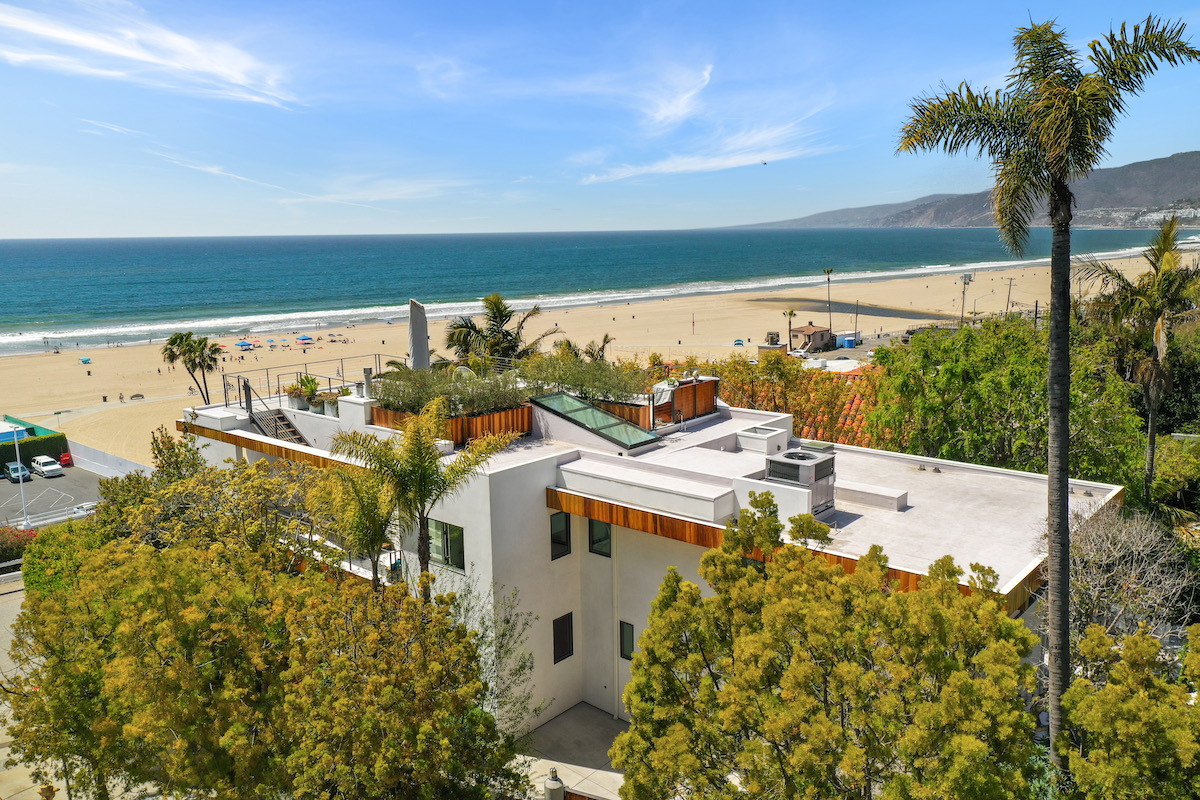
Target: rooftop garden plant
468,394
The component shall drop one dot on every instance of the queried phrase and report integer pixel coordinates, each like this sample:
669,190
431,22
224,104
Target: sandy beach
83,400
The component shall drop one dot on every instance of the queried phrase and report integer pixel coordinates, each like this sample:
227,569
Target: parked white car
45,466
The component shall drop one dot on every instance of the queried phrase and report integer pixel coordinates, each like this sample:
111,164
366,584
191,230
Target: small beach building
812,338
583,515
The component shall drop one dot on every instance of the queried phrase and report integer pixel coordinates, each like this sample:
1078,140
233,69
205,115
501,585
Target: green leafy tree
418,475
196,355
360,507
501,336
1140,312
979,395
1136,727
61,720
209,667
198,648
423,734
1046,129
174,458
794,679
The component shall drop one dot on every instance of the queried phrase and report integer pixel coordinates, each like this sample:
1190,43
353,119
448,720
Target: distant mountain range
1139,195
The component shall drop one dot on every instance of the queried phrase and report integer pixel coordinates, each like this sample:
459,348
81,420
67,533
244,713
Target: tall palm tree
790,314
1046,129
196,354
494,339
598,351
419,477
360,506
1140,311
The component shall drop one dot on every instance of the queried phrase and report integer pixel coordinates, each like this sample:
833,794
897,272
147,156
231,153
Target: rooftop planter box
461,430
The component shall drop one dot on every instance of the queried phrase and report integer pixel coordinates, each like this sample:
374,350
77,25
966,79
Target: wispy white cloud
662,95
116,41
108,126
362,190
741,149
441,76
675,99
590,158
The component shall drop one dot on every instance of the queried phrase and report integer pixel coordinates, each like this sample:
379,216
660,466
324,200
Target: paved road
48,499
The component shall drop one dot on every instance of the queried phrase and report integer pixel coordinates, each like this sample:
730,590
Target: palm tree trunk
423,554
204,392
1057,461
1151,439
199,388
375,570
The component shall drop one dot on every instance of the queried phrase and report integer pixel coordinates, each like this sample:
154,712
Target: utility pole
966,281
1008,302
829,296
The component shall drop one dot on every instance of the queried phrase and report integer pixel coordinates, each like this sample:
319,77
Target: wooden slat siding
271,448
662,412
513,420
642,416
706,397
708,535
685,400
682,530
386,418
461,430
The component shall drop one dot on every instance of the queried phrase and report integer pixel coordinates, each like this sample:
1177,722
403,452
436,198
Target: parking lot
48,499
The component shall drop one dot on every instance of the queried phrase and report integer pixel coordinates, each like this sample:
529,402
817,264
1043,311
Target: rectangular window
560,535
627,640
600,537
564,639
446,545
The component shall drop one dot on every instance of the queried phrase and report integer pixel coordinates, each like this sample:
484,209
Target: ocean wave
308,321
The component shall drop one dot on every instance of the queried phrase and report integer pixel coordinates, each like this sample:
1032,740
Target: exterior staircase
275,424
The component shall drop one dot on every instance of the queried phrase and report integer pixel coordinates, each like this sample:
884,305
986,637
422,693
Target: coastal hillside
1138,195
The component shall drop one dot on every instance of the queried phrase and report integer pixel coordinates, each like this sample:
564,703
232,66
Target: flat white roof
975,514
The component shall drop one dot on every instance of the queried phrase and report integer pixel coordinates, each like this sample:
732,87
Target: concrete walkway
15,782
576,742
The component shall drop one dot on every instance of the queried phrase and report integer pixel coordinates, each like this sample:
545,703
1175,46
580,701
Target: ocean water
96,291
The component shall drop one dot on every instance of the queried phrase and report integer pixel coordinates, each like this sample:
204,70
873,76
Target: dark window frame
627,653
592,539
556,547
564,626
441,552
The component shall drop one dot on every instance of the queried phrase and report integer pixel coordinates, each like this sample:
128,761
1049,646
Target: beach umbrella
272,341
244,343
304,338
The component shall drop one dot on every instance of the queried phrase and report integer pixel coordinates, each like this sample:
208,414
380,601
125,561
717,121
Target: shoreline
56,390
116,334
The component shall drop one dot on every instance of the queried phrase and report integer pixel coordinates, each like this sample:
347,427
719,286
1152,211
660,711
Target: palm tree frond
958,121
1041,51
1125,61
1021,188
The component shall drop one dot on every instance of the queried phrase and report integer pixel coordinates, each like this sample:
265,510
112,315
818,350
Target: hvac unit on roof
808,469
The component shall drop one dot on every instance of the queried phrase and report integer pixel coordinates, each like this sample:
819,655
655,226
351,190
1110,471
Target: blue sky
303,117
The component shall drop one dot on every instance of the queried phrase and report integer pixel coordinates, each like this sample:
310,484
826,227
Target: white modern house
584,514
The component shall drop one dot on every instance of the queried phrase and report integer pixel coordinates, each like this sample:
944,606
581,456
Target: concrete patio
576,743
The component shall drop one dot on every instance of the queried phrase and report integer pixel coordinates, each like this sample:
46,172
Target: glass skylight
598,421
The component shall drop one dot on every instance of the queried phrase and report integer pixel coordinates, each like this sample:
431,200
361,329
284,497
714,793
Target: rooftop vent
808,470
